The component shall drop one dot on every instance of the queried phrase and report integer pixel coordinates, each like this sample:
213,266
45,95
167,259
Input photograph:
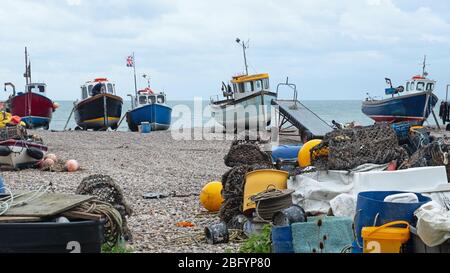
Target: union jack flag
130,61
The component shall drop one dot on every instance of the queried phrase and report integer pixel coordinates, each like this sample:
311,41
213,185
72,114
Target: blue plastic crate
402,129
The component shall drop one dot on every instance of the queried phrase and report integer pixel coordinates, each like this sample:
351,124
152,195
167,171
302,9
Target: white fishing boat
247,101
20,154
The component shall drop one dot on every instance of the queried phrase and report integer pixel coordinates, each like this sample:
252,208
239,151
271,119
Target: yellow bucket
385,239
259,181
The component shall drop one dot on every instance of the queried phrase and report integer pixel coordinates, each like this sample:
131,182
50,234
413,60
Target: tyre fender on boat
35,153
5,151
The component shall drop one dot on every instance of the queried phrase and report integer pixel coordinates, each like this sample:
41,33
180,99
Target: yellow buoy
304,156
211,196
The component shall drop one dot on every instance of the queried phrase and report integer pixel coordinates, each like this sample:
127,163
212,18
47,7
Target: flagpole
135,80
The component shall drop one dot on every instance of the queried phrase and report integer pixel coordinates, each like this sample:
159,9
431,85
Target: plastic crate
417,246
402,129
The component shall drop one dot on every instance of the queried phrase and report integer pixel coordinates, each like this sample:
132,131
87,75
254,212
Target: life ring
35,153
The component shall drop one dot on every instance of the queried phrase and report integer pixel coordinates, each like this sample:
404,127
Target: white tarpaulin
314,191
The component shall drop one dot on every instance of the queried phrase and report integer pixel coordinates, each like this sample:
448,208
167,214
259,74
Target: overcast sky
338,49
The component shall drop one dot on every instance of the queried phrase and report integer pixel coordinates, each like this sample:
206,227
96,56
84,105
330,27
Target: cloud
73,2
188,46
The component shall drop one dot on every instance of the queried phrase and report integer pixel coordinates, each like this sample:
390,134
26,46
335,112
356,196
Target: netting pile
106,189
350,148
13,132
433,154
246,153
244,157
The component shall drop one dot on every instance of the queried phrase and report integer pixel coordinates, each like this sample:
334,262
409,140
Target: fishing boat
100,108
148,106
32,105
414,103
247,100
20,154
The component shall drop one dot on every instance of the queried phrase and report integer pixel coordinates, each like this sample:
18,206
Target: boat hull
159,117
19,156
34,109
249,112
413,107
99,112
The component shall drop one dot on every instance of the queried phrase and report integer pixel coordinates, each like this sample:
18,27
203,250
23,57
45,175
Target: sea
342,111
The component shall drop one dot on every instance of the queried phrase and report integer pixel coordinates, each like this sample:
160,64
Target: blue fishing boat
414,103
150,107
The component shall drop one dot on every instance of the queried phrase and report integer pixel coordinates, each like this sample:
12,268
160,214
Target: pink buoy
72,165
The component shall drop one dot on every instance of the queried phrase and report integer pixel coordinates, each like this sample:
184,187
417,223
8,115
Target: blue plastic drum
371,210
285,152
282,240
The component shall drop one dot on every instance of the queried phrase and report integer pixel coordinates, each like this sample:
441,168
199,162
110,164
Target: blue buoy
282,240
372,210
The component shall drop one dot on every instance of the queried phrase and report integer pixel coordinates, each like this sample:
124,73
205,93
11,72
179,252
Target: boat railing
290,85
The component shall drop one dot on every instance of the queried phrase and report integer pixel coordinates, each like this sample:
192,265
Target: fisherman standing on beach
443,112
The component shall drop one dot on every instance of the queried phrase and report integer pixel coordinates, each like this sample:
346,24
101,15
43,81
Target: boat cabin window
151,99
248,86
110,88
266,84
407,86
235,88
241,88
39,89
84,92
420,86
90,89
142,99
430,86
412,86
161,99
258,85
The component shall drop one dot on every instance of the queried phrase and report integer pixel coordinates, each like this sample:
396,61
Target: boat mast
424,72
27,73
135,80
244,48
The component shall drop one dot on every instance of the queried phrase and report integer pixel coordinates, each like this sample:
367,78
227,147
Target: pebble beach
141,163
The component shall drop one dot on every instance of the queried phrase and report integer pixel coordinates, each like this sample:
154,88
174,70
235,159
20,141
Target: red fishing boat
32,105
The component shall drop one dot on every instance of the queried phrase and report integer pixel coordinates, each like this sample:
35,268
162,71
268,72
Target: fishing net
433,154
244,152
106,189
233,182
349,148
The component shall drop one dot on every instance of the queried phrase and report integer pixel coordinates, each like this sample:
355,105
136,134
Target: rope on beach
107,190
113,220
349,148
